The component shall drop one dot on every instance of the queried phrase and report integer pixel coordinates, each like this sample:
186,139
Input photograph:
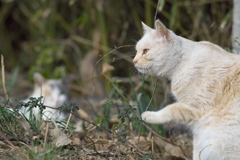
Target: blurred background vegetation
73,37
53,36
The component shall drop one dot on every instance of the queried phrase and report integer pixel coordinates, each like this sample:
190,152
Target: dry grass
121,141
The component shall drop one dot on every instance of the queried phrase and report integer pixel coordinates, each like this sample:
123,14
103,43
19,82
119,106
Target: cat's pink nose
135,61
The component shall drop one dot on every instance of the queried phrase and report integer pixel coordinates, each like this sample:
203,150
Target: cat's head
54,91
155,51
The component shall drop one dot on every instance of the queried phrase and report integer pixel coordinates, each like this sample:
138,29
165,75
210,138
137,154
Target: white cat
54,92
205,79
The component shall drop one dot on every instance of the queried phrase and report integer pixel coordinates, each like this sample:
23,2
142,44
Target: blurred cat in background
55,93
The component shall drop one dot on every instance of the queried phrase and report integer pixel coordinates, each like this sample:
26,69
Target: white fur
52,97
205,79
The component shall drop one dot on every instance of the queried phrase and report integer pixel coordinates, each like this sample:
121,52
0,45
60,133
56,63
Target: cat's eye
145,51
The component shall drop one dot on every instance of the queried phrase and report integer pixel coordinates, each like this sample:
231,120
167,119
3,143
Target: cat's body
205,79
55,94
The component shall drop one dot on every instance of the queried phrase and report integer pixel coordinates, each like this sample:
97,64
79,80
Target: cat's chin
144,70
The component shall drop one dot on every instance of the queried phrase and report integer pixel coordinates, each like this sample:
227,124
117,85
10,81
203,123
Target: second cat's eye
145,51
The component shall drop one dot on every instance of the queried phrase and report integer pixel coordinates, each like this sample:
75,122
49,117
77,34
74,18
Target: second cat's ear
146,29
161,29
38,79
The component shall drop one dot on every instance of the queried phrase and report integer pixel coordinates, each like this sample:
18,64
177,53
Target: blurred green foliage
52,36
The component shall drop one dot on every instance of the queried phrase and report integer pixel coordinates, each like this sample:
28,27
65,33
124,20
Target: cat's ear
146,29
38,79
161,29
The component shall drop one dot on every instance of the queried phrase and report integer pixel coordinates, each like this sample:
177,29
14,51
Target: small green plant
35,121
32,103
9,123
68,107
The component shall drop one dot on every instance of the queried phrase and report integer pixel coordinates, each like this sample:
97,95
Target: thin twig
151,130
152,142
155,16
46,135
4,137
100,47
107,54
69,118
3,77
24,140
154,92
156,134
93,143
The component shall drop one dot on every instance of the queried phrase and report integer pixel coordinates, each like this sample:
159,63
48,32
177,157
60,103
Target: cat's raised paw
150,117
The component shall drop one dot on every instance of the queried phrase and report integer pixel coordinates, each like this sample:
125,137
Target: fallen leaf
107,68
63,140
170,149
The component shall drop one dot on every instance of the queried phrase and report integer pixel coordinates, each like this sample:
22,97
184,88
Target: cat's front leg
178,112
